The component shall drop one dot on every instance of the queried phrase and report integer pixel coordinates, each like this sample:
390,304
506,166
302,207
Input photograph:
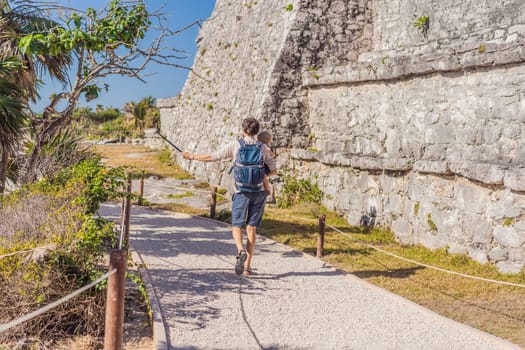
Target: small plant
180,195
209,106
313,150
508,222
423,24
164,157
416,209
224,215
384,59
313,71
249,4
202,184
289,7
270,24
431,223
297,191
482,48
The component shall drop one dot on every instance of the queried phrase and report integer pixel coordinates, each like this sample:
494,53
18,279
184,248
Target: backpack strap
242,142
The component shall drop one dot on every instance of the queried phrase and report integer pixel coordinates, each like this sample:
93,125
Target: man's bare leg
237,237
251,232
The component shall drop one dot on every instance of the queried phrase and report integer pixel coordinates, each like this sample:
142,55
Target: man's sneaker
239,265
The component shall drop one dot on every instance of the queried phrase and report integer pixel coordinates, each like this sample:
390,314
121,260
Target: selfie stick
168,141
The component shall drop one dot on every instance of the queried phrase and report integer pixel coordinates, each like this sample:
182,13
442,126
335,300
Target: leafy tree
103,43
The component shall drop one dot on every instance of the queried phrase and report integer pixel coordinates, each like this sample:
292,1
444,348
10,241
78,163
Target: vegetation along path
293,300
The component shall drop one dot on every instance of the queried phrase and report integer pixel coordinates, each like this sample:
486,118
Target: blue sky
166,81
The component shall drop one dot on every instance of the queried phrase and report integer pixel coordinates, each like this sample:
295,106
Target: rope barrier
410,260
21,252
387,252
16,253
6,326
187,189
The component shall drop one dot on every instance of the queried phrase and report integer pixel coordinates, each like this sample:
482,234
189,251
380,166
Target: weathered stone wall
421,129
232,76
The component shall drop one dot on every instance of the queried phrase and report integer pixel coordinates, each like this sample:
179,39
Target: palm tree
23,19
12,116
20,86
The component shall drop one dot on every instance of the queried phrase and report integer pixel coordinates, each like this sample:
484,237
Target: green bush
57,212
297,191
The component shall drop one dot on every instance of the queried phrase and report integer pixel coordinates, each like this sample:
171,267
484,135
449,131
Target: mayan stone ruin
410,114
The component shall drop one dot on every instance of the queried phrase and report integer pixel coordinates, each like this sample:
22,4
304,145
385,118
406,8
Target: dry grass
496,309
141,158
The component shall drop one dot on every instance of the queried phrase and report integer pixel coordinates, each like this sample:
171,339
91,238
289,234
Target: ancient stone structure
410,114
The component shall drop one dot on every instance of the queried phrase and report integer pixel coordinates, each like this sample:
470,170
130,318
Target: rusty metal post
141,189
114,327
213,202
320,237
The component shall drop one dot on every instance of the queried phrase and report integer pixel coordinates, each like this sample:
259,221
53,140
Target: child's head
265,137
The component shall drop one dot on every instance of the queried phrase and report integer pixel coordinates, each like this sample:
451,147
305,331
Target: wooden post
213,202
141,188
320,237
114,327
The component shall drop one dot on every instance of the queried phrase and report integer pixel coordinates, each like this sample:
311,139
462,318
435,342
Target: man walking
250,197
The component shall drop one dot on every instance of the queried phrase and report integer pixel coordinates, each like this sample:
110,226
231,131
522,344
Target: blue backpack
248,170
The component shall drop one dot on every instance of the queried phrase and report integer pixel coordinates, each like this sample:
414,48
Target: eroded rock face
415,109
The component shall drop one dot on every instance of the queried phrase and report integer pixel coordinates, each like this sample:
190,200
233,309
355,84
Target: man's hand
188,155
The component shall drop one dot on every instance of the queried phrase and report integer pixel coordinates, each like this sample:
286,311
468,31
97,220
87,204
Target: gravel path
293,301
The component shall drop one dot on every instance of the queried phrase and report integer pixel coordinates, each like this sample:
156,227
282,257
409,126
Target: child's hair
265,137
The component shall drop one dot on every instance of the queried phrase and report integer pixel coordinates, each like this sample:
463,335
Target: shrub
296,191
58,213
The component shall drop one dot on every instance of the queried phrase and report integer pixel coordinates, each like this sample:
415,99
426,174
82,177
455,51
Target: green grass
496,309
180,195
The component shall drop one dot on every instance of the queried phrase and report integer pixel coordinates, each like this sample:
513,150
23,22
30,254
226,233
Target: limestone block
517,254
486,173
470,198
435,153
458,249
509,236
478,255
504,208
445,220
515,179
497,254
432,241
509,267
403,230
430,166
394,204
480,230
302,154
520,226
